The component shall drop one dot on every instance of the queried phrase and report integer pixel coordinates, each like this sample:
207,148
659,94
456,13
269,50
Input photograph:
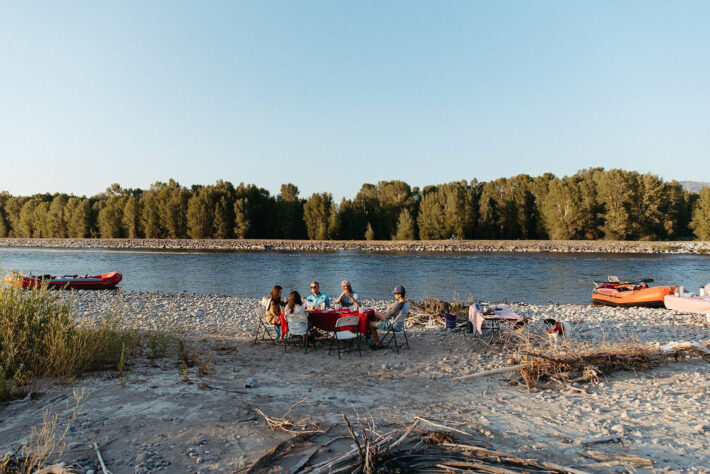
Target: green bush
39,338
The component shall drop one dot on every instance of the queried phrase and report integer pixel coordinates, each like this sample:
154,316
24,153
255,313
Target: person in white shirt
295,316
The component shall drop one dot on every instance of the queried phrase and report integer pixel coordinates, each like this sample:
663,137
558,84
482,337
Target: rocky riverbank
454,246
165,417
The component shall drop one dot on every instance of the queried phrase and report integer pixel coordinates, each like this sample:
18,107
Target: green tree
289,212
242,223
132,217
562,210
27,225
151,215
200,214
260,211
78,211
369,232
431,219
316,214
223,219
616,193
13,207
172,202
405,226
56,217
4,224
701,215
110,218
350,226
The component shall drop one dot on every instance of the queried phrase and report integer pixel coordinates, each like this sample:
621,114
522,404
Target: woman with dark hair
295,317
273,309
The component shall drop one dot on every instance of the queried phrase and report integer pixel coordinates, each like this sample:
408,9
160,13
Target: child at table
295,317
273,310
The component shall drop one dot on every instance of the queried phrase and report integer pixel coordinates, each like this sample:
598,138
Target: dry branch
580,361
293,427
485,373
277,451
601,439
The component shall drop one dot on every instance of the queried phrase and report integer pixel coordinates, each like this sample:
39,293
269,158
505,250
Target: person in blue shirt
316,297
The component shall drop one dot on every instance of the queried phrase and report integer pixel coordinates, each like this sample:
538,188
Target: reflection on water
533,278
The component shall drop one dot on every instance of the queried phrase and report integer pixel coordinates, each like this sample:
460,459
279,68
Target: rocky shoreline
163,416
450,246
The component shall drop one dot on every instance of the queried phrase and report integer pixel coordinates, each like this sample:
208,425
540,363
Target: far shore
385,246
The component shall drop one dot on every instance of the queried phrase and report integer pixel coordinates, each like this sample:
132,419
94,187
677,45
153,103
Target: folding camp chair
395,326
346,334
262,329
292,336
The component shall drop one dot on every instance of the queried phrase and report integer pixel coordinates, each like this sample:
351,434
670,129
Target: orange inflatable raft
87,282
621,293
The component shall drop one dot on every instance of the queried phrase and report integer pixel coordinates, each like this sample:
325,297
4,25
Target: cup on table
336,306
322,306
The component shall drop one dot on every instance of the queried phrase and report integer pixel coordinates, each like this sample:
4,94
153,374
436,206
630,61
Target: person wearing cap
347,297
316,297
395,309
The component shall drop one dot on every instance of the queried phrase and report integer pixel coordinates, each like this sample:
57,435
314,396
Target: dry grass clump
39,338
289,425
44,442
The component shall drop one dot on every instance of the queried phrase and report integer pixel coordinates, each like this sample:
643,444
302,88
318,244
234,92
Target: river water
528,277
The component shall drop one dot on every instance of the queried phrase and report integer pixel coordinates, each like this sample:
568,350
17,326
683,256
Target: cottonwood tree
616,194
132,217
56,217
152,217
289,212
316,214
4,225
701,215
79,220
562,210
405,226
200,214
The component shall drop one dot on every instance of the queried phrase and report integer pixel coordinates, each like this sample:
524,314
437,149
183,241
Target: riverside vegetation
40,338
592,204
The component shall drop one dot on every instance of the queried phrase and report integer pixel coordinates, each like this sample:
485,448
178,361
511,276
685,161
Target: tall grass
39,338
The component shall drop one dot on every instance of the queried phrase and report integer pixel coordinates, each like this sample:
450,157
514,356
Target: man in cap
395,309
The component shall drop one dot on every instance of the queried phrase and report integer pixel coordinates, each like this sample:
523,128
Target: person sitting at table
273,309
316,297
295,317
381,319
347,297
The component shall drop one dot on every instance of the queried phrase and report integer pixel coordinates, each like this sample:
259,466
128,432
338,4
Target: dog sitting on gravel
556,330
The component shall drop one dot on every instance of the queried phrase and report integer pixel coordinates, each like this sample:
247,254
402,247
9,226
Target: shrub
39,338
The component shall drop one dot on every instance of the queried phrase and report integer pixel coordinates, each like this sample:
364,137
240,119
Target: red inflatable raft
87,282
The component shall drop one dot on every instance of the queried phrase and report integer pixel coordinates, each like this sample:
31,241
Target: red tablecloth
325,319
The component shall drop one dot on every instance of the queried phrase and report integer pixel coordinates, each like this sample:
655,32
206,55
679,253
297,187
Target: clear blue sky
332,94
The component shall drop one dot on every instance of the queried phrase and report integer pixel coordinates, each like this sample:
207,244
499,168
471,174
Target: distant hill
693,185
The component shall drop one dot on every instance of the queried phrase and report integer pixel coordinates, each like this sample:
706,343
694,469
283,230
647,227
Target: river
527,277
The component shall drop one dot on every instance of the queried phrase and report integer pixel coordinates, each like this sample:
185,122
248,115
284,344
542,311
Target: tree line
592,204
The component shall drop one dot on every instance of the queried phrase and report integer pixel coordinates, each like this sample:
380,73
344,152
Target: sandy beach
163,418
455,246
